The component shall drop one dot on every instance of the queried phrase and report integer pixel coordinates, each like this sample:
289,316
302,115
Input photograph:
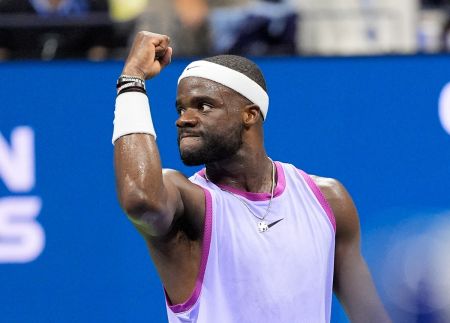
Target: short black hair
242,65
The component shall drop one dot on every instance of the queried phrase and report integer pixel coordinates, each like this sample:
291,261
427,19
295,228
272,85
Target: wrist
132,115
127,83
133,71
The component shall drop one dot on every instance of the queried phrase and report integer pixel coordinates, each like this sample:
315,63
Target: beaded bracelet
131,87
127,78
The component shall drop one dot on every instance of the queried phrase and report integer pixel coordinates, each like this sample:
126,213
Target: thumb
167,57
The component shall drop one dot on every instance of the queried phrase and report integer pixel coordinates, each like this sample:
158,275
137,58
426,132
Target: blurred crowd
103,29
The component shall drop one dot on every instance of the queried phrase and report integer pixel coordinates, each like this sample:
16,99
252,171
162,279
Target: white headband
230,78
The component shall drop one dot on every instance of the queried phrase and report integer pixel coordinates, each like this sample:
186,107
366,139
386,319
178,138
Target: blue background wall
370,122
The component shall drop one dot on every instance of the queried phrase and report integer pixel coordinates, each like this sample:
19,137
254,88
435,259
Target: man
246,239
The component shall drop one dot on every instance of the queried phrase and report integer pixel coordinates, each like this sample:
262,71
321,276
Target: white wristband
132,115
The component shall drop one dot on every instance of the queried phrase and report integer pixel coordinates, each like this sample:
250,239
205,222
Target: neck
250,173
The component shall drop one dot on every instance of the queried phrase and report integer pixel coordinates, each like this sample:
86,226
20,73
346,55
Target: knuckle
152,36
141,34
145,35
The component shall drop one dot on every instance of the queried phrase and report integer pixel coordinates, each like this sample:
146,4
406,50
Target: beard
216,146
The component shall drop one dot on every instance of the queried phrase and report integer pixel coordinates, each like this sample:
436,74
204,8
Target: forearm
139,181
356,291
137,168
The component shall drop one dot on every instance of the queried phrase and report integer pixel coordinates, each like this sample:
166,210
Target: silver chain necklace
263,226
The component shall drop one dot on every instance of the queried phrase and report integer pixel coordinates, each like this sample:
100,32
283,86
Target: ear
251,115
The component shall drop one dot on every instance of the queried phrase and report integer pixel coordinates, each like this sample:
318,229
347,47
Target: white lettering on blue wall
17,160
444,108
22,238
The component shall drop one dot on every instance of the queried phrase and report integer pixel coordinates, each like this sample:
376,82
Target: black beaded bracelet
127,79
132,89
131,86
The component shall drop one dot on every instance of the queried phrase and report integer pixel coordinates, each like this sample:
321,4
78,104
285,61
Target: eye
180,110
205,107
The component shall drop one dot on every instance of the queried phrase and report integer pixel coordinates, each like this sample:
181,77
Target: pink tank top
283,275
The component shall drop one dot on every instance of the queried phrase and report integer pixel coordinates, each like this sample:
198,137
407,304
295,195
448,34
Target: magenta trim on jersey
183,307
279,189
320,197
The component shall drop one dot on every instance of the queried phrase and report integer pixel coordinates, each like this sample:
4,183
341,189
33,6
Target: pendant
263,226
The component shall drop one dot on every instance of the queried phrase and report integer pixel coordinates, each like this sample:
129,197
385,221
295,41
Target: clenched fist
149,54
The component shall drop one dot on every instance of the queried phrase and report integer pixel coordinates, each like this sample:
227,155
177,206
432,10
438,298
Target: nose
187,119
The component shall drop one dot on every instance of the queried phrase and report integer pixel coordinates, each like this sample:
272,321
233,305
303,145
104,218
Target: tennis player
246,239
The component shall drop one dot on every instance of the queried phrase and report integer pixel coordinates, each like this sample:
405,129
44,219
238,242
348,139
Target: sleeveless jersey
283,275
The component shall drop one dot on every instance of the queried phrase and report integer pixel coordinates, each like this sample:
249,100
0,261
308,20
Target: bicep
179,198
353,283
348,259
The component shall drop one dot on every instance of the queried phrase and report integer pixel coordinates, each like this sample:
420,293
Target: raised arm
152,200
352,280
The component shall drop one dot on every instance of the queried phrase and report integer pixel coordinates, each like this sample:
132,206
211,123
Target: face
209,124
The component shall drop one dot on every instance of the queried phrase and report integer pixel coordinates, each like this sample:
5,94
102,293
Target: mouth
188,135
189,140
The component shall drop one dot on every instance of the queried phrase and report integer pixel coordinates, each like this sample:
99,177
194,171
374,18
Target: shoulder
168,172
192,195
184,185
178,179
175,177
332,189
341,203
